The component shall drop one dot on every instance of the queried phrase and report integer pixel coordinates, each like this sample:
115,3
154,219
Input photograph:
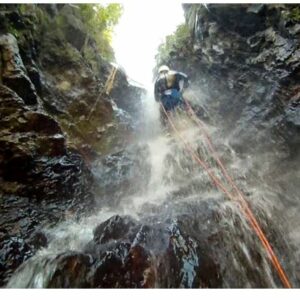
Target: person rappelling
168,88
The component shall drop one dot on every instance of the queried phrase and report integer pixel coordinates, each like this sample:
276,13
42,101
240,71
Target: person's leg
177,101
163,110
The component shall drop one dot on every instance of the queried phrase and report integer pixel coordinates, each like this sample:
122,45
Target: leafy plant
100,21
292,15
173,42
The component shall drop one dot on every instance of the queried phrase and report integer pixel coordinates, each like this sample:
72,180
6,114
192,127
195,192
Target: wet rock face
41,180
74,28
126,95
120,174
14,73
195,244
46,69
183,245
35,165
34,160
52,80
124,267
119,261
244,66
71,271
191,267
113,229
247,20
59,61
12,254
137,256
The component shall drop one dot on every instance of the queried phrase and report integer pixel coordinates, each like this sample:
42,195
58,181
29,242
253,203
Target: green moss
26,8
292,15
16,33
173,42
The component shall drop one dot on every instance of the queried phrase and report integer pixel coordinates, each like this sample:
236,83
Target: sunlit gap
142,28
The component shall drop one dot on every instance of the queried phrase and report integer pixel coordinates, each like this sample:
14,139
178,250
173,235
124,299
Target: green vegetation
100,21
173,42
292,15
96,20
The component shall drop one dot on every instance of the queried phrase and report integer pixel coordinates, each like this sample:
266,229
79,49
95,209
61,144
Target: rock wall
55,117
244,64
243,61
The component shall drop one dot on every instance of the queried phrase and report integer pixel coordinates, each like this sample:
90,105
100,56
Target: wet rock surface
121,174
55,118
71,271
179,245
140,255
14,74
127,95
243,63
41,180
244,68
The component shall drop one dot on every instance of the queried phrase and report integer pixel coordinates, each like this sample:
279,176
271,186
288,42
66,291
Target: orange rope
245,208
245,205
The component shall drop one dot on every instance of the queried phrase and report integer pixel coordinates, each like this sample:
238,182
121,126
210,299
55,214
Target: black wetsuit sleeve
156,92
181,76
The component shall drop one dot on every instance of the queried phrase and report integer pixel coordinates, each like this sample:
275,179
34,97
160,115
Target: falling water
178,191
177,185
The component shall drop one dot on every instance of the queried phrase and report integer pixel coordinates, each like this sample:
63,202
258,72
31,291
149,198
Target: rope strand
243,203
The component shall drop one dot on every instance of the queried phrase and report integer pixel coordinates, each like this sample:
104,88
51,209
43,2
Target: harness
171,96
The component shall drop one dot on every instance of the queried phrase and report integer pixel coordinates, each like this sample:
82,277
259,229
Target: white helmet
163,69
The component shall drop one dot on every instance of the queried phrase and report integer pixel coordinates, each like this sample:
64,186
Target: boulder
113,229
149,255
70,271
